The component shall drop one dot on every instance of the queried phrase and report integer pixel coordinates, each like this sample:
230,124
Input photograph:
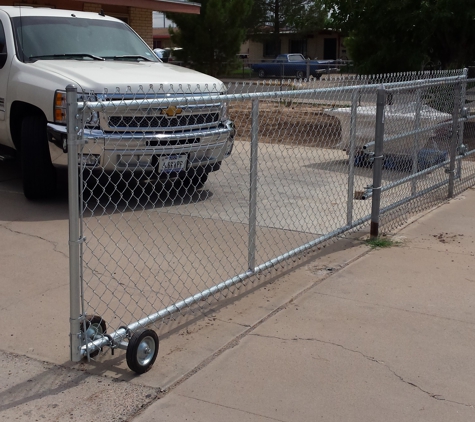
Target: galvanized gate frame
82,345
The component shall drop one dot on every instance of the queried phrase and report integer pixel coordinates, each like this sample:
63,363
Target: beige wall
315,43
141,21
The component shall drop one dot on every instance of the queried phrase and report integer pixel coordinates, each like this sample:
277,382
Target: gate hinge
462,149
79,241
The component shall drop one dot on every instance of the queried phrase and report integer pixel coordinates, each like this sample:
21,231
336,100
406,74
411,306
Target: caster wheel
142,351
96,328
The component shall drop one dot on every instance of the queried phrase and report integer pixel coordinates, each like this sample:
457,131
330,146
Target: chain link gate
170,199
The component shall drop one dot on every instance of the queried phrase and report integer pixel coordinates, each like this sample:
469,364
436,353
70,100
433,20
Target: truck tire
39,175
300,74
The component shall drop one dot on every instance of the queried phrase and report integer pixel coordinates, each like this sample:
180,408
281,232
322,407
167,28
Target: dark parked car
294,65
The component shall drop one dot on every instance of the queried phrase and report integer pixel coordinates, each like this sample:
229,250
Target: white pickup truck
42,51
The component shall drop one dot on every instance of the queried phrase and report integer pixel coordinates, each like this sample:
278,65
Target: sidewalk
385,335
388,338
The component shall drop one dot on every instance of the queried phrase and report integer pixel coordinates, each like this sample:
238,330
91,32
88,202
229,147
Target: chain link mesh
166,180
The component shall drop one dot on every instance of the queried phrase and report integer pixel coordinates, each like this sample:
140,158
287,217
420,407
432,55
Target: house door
329,49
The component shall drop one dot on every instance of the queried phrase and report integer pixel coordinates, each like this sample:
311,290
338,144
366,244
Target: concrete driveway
345,335
34,304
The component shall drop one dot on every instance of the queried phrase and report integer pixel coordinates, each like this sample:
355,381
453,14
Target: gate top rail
206,98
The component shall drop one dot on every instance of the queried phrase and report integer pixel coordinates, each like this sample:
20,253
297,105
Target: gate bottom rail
116,338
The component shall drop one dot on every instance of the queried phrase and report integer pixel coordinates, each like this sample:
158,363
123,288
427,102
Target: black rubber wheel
300,74
142,351
39,175
96,327
261,73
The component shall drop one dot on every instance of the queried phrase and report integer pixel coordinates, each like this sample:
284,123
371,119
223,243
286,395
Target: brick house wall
92,7
142,22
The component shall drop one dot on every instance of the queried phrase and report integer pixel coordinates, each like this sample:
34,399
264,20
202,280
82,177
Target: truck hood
125,76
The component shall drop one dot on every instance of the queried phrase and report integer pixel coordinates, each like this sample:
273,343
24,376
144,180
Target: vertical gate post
351,157
415,145
378,163
454,141
462,123
253,185
73,196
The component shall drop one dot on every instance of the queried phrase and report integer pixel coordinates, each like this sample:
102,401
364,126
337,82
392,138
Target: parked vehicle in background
162,54
294,65
42,51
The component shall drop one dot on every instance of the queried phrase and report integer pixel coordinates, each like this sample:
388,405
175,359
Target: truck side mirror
3,59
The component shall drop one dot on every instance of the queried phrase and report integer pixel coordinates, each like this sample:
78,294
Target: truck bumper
139,152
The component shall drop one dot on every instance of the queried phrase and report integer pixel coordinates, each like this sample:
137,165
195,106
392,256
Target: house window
329,48
269,48
298,46
161,21
157,43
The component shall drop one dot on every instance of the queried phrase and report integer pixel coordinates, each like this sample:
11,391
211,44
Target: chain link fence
187,193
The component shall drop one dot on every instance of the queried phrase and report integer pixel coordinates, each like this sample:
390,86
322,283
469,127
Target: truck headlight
60,107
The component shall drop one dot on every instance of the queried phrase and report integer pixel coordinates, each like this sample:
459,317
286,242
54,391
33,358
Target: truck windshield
64,38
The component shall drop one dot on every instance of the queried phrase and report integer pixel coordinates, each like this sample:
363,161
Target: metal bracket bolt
462,149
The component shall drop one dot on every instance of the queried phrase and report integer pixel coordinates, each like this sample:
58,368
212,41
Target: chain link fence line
185,193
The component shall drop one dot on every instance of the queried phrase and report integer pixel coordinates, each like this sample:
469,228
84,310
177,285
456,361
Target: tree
270,17
212,39
404,35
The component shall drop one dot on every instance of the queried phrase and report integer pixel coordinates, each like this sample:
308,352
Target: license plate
172,163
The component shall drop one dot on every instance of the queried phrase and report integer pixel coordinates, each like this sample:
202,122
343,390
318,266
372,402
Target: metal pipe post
462,122
415,145
74,240
378,163
253,185
454,141
351,157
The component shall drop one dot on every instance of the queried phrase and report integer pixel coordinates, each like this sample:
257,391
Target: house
136,13
322,45
161,36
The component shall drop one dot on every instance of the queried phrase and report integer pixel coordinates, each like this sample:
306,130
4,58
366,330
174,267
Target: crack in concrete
395,308
370,358
234,323
54,244
232,408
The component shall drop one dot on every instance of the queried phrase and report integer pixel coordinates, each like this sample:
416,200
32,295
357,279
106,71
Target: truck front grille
161,122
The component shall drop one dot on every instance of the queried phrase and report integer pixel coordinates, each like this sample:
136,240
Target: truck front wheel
39,175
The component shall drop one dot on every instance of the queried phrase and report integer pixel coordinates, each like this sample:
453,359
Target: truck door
3,71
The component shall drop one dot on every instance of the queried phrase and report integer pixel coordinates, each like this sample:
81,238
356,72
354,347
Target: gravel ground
32,390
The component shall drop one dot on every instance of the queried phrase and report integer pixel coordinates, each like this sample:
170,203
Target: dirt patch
447,237
288,124
300,124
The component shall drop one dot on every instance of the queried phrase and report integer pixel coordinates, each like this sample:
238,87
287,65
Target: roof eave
156,5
